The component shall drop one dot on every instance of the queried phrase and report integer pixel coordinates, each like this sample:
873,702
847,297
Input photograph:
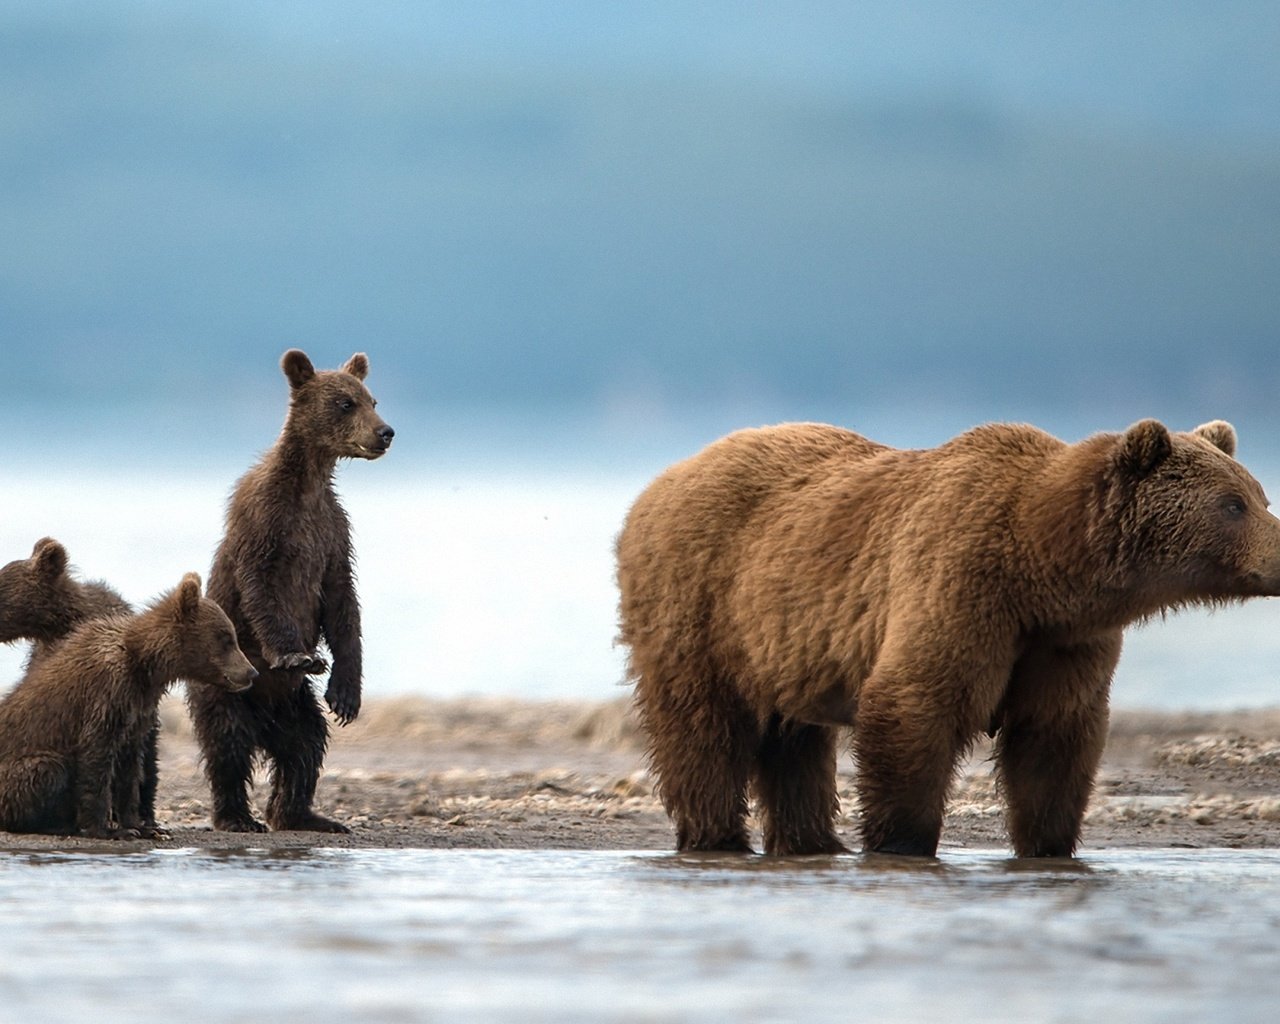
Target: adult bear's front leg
917,714
1052,732
906,753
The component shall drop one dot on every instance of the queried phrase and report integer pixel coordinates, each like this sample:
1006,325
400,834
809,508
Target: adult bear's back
676,550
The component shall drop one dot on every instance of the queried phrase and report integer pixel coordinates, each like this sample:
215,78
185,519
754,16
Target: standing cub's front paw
343,700
309,664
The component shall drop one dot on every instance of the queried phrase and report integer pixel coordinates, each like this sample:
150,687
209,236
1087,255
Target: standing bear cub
72,732
789,581
284,575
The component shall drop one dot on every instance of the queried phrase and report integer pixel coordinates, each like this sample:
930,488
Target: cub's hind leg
295,742
227,726
36,795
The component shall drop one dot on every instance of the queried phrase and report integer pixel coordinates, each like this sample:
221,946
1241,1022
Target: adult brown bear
792,580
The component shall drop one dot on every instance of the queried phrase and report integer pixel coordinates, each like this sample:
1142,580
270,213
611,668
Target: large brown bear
791,580
41,601
83,713
284,575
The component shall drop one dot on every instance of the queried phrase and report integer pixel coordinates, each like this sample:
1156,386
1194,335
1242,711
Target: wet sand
488,773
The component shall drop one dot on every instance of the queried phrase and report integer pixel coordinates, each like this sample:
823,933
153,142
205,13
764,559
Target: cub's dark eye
346,404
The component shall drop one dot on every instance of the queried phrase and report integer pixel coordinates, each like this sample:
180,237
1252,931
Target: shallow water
416,935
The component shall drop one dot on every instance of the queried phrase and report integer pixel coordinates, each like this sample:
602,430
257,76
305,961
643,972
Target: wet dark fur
73,730
41,601
284,575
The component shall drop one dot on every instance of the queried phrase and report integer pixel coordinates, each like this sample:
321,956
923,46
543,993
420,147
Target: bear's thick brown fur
81,716
789,581
284,575
41,601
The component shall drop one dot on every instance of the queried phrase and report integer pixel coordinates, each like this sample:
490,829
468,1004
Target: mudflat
497,773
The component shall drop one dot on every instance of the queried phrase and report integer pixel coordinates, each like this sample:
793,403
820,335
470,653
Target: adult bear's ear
1220,434
49,558
297,367
189,596
1143,447
357,366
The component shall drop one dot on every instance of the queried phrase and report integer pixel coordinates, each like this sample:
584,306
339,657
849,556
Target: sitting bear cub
82,715
41,601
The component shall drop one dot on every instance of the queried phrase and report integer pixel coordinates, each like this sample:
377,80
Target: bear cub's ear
49,557
357,366
1220,434
297,367
189,596
1143,447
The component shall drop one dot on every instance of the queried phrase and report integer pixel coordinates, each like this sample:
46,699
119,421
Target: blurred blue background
579,240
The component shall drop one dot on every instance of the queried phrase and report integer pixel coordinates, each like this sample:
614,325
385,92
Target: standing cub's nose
386,434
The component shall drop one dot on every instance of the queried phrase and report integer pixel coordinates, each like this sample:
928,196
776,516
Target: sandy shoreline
489,773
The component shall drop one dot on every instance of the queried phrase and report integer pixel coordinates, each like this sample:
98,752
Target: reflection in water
564,936
709,869
111,855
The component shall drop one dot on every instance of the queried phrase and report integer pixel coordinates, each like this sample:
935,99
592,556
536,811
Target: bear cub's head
208,651
1196,520
333,410
37,594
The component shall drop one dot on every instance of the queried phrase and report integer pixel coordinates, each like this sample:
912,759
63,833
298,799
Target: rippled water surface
410,935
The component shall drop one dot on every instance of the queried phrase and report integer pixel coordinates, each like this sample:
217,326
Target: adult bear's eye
346,405
1234,507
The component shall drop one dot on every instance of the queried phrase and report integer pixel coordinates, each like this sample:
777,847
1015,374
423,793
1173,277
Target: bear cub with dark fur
790,581
73,730
284,575
41,601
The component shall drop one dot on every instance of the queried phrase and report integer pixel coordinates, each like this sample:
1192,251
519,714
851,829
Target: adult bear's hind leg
796,788
702,742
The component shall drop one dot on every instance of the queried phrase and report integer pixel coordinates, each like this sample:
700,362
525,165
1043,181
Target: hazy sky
818,209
